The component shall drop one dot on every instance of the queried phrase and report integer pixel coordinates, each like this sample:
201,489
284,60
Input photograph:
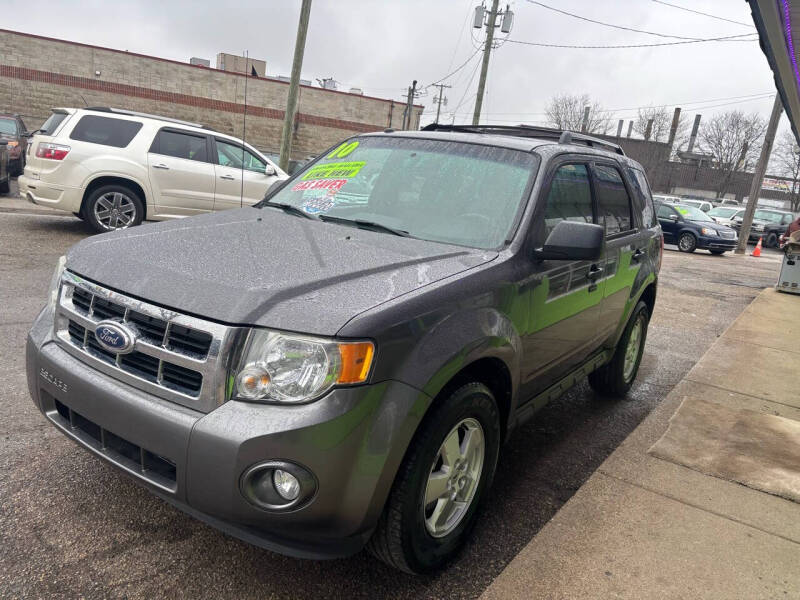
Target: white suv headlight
279,367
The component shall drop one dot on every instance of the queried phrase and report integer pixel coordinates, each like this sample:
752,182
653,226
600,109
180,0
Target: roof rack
531,131
131,113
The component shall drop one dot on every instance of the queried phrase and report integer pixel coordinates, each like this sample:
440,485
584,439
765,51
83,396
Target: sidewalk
643,527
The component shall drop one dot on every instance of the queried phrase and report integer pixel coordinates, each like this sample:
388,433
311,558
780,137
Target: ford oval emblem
115,337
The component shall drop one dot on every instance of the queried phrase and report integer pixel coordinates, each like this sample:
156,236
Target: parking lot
71,526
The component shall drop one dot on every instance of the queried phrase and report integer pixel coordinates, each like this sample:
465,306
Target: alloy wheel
632,349
114,210
454,478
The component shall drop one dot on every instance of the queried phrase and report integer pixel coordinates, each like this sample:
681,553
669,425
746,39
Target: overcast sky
381,45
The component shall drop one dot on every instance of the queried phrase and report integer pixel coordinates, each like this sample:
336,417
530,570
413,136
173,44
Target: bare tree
732,139
785,161
662,121
566,112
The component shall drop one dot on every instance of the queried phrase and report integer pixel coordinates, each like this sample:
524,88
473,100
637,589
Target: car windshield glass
459,193
692,213
768,215
720,211
8,126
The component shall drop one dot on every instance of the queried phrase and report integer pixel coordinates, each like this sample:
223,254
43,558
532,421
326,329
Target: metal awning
778,24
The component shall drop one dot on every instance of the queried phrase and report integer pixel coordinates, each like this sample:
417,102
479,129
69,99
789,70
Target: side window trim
596,198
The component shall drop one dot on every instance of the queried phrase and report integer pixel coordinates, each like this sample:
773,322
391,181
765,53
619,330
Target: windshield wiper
365,225
289,209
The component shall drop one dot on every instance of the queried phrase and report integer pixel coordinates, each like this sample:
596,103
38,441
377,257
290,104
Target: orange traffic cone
757,249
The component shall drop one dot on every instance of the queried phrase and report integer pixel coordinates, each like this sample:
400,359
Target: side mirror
674,217
572,240
269,171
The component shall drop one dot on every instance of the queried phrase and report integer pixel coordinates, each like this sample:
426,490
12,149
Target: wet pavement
72,526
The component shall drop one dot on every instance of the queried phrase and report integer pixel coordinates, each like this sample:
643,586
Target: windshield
770,216
8,126
465,194
692,213
721,211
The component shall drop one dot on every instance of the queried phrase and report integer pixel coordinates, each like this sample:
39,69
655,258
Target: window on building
180,145
613,203
569,197
105,131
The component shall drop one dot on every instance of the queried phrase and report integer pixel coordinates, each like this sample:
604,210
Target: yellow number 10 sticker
343,150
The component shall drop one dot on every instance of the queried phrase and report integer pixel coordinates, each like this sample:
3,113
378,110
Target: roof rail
131,113
531,131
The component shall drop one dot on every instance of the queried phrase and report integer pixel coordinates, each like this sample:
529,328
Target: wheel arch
102,180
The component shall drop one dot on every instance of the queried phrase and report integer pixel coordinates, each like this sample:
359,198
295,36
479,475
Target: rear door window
569,197
106,131
180,145
613,203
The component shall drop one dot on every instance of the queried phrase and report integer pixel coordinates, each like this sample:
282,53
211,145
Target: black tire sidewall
771,241
694,242
88,207
423,552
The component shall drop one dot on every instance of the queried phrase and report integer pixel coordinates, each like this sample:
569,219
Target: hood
264,267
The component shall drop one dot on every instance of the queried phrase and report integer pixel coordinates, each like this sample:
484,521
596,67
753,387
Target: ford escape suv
338,366
115,168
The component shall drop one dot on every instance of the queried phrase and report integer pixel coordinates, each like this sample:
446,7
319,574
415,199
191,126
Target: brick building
38,73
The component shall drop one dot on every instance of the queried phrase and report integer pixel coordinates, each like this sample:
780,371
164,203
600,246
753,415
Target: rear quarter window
643,199
105,131
53,121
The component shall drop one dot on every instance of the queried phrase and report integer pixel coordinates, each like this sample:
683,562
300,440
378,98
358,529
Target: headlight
708,231
278,367
52,294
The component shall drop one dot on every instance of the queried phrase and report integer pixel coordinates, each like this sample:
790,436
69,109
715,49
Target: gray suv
339,365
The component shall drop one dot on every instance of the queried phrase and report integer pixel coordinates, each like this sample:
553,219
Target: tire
771,241
104,199
614,379
687,242
405,537
5,186
717,252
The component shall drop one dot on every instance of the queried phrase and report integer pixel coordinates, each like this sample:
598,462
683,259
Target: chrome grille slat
192,372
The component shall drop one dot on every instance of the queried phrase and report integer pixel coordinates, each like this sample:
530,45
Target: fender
142,182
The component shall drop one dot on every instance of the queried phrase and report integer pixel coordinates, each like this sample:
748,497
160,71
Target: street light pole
758,175
294,86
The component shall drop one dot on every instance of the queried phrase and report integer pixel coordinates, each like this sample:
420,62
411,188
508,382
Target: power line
697,12
622,27
464,64
730,38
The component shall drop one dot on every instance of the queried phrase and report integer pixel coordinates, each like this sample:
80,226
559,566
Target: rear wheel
112,207
771,241
5,186
615,378
687,243
447,469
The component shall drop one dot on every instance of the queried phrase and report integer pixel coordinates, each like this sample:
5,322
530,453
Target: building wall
37,74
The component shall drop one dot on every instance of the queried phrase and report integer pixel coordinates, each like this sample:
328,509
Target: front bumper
716,243
353,441
41,193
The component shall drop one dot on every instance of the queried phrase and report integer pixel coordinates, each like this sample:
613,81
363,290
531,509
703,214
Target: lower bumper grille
157,469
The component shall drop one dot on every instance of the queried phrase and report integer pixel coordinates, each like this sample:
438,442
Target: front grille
147,465
175,356
728,235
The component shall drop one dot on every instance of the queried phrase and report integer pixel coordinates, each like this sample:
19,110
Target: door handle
637,255
594,273
161,166
228,177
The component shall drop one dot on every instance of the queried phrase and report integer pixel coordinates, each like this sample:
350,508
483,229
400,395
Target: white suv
115,168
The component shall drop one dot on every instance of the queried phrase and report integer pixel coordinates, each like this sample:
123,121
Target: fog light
286,484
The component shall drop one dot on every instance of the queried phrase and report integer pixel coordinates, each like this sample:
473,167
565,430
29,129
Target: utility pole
505,27
408,114
438,100
294,86
585,123
758,174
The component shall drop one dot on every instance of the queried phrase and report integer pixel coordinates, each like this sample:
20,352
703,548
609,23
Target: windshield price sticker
343,150
335,170
331,185
683,211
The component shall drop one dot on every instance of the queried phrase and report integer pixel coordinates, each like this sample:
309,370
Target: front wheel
447,469
113,207
615,378
687,243
771,241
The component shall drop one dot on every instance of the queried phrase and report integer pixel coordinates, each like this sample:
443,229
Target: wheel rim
114,210
454,478
632,350
686,242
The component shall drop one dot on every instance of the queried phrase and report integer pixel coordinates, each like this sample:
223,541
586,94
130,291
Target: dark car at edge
691,229
316,376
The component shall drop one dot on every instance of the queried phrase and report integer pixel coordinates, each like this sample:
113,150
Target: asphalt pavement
72,526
